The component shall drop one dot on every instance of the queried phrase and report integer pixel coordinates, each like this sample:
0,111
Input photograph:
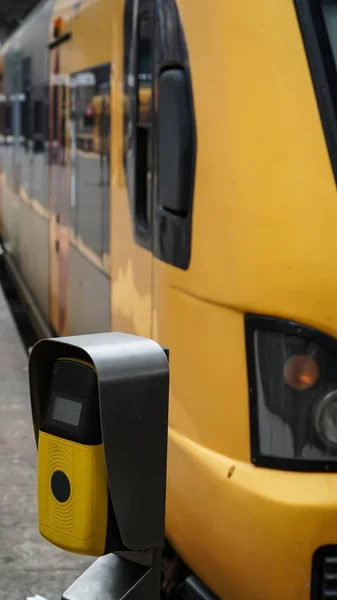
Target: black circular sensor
60,486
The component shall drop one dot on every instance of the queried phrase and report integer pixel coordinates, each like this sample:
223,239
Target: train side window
38,126
138,116
2,117
90,161
26,115
8,119
38,116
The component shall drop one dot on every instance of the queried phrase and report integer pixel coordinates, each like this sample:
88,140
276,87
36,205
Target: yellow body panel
85,48
264,222
79,524
265,207
263,241
249,533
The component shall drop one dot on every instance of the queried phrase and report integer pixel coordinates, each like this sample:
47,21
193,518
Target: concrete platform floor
29,566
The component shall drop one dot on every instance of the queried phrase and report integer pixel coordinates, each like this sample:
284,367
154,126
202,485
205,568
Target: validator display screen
66,411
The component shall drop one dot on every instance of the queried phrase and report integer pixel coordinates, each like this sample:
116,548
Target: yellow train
204,216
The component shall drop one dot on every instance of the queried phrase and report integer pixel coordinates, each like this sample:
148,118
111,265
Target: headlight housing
292,372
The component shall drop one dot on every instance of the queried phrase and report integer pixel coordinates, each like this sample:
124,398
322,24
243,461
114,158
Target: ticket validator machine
100,413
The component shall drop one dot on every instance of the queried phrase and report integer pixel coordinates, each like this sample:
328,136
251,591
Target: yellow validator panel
72,480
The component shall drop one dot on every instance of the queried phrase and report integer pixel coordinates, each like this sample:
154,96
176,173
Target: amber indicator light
301,372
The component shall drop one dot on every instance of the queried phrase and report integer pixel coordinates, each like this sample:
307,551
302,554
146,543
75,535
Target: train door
132,182
58,194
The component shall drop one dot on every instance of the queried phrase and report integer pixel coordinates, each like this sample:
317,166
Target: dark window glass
144,49
144,121
329,8
7,154
138,119
26,117
26,112
38,117
40,146
8,119
2,116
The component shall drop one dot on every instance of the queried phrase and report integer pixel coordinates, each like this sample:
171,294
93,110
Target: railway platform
30,567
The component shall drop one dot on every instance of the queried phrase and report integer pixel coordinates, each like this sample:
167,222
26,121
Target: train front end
252,480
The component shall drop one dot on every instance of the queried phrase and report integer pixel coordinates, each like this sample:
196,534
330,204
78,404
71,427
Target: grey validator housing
133,381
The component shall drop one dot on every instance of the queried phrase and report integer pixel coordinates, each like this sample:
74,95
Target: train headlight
292,374
326,420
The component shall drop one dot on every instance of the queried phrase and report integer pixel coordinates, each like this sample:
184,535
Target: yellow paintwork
249,533
265,205
264,222
85,48
79,524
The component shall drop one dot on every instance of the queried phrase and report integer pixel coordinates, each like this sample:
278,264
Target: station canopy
12,13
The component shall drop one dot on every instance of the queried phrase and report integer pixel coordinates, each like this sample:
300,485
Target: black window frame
137,134
8,122
322,68
167,234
